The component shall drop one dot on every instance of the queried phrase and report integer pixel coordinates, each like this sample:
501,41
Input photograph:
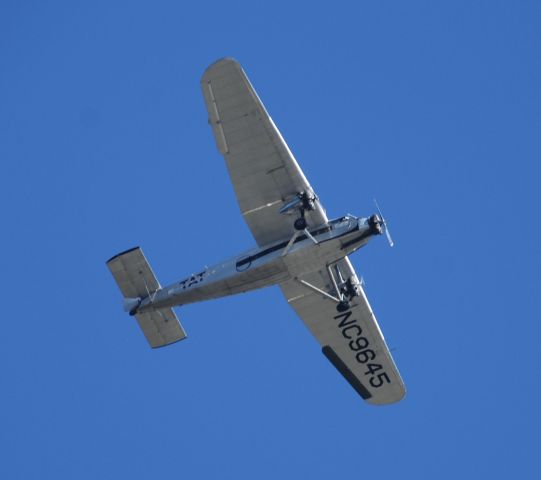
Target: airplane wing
352,340
263,170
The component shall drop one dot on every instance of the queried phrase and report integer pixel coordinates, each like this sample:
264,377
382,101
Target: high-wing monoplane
298,247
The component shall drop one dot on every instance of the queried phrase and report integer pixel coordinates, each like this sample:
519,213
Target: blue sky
432,107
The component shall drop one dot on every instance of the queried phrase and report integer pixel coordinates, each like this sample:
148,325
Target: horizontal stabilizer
133,274
136,281
161,327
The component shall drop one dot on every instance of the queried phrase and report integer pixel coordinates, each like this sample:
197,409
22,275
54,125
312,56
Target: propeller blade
385,226
379,209
391,243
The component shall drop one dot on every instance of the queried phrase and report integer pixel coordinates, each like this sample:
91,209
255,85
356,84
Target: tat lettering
193,280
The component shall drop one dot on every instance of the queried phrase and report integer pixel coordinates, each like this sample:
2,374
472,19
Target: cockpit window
340,222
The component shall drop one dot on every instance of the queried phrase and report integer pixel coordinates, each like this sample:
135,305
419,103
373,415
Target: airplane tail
136,281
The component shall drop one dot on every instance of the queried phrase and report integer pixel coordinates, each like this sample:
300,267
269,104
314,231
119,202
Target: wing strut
333,280
341,298
317,290
294,237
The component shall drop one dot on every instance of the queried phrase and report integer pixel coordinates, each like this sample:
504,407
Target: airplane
298,247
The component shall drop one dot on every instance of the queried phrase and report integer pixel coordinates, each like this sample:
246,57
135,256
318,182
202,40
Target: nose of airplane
375,224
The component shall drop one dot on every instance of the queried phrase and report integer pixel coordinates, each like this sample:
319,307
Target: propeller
387,233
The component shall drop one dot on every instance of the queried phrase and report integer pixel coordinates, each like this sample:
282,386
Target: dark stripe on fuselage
280,246
355,240
346,372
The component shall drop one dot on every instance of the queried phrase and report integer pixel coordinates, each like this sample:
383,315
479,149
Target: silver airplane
299,248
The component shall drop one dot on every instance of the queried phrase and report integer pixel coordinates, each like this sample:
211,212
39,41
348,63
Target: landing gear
345,291
300,223
302,202
307,203
342,306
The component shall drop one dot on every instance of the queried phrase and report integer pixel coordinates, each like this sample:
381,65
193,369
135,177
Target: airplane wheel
342,307
300,224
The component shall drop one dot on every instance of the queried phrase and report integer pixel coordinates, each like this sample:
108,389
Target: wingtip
156,347
221,62
122,253
375,400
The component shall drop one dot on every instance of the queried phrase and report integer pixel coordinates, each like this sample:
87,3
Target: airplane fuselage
268,265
